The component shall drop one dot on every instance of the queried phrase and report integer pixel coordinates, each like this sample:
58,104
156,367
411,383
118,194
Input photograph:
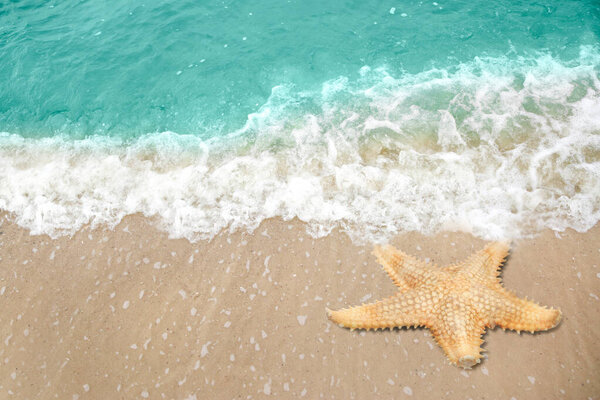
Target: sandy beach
129,313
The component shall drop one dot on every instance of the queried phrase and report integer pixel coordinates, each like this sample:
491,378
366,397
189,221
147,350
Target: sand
129,313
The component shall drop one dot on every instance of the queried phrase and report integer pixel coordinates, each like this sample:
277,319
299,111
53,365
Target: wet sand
129,313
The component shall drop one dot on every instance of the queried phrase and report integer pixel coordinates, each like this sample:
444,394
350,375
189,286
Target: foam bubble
497,147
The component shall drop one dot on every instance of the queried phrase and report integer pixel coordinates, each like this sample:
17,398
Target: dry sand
130,314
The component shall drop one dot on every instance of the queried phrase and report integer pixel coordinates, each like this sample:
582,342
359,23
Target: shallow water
372,117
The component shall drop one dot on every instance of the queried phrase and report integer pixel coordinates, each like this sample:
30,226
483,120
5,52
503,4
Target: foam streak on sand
497,147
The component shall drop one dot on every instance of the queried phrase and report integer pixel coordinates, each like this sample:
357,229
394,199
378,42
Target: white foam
497,147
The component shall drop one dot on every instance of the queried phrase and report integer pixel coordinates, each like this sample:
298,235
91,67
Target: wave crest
497,147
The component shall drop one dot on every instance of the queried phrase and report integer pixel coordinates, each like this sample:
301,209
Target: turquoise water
375,117
89,67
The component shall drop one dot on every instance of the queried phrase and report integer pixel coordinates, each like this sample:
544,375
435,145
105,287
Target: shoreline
130,313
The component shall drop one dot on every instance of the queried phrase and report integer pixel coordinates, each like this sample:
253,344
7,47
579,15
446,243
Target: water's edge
495,147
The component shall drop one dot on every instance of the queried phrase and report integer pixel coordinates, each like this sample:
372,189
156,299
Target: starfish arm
512,312
406,272
397,311
460,338
485,263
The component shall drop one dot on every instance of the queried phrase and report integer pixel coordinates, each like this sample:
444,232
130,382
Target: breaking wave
498,147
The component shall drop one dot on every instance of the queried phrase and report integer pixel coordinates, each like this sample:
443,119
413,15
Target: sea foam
499,147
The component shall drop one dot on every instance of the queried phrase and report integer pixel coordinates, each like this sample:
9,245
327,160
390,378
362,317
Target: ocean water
372,117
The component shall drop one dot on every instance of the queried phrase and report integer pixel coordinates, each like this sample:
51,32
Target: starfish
456,303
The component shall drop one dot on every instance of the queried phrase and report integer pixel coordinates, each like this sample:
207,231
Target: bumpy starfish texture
456,303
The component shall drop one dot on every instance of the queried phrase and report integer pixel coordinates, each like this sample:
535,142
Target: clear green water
200,67
375,117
